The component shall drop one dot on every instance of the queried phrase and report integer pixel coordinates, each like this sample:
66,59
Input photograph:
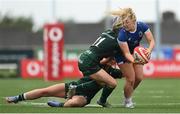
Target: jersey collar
135,28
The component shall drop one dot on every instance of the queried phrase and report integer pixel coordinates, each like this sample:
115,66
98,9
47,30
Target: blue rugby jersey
133,38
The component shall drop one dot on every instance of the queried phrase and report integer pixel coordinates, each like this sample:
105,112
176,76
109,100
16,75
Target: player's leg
105,94
115,73
128,71
93,70
57,90
103,76
89,67
54,91
76,101
138,74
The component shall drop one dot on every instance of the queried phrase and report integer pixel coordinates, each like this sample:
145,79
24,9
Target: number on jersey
98,41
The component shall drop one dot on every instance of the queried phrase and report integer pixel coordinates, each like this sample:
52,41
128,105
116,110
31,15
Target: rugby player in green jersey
80,98
89,63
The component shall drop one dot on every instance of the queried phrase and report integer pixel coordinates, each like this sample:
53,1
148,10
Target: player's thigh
138,71
57,89
91,68
87,65
128,70
76,101
103,76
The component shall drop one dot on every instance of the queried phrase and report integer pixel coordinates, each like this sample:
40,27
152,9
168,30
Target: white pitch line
33,103
153,104
95,105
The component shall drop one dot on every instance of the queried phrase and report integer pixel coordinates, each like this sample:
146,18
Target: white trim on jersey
120,41
148,30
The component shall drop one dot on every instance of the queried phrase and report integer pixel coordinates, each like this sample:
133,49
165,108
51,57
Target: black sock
61,105
105,94
21,97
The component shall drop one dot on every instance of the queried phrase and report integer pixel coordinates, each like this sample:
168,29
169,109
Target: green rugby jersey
106,45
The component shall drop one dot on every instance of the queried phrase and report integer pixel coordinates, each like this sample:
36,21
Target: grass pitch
152,96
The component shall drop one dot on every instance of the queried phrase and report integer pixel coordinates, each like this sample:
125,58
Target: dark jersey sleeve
114,72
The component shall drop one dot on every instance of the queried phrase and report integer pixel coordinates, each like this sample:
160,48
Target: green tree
25,23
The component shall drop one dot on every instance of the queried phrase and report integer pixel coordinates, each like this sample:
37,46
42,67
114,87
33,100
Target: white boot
128,103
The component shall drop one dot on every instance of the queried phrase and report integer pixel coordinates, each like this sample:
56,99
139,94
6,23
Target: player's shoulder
142,26
109,33
122,30
140,23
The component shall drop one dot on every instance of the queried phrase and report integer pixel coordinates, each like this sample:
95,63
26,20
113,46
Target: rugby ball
140,54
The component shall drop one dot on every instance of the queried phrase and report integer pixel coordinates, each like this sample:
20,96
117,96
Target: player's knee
139,78
101,83
130,81
113,84
76,103
130,78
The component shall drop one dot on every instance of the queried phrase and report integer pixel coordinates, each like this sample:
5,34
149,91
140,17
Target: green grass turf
152,96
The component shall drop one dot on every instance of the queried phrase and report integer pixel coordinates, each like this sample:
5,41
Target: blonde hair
117,23
122,14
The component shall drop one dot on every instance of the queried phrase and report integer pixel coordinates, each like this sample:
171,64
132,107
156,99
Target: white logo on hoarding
33,68
55,34
55,60
68,68
148,68
178,56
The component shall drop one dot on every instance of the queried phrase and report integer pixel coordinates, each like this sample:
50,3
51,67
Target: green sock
105,94
88,86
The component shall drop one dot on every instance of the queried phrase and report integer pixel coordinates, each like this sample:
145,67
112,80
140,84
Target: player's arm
122,40
105,60
150,40
115,72
124,47
108,61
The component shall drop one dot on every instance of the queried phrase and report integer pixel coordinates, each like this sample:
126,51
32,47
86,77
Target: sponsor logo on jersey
140,34
129,39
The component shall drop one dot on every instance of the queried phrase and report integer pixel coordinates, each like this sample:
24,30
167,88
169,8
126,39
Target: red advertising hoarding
71,70
53,51
162,69
31,68
153,69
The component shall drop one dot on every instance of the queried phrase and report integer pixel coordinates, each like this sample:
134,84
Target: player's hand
148,53
112,62
139,61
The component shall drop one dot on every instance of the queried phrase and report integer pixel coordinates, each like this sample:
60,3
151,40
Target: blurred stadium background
22,46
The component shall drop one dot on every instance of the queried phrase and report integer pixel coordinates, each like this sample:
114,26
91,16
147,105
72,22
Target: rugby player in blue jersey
129,37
